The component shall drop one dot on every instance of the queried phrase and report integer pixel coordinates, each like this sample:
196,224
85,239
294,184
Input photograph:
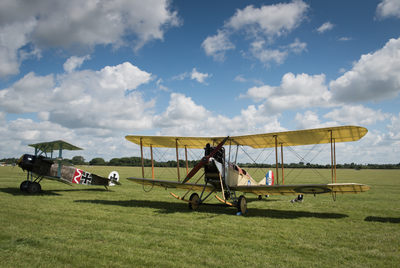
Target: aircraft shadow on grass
171,207
17,191
382,219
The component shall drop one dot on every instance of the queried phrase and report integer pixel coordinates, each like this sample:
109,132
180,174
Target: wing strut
186,161
141,154
333,156
276,159
152,162
177,159
283,176
204,160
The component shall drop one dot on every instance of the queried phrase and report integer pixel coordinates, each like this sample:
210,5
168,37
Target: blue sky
92,72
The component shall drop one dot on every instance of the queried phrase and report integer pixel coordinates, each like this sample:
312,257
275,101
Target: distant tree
9,161
98,161
78,160
115,162
66,161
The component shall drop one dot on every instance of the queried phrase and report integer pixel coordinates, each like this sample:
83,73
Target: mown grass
82,226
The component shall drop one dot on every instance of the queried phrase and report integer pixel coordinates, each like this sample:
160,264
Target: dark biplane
42,165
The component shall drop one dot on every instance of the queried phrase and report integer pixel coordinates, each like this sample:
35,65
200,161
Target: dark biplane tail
113,178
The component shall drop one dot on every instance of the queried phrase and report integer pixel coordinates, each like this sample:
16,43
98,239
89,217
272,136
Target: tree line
136,161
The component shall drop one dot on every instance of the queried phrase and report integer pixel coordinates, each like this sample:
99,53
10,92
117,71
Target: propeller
204,160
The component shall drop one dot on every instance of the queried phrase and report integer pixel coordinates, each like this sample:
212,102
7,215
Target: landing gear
194,201
242,205
24,186
34,188
30,187
32,183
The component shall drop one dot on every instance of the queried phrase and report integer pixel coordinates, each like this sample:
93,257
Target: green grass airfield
83,226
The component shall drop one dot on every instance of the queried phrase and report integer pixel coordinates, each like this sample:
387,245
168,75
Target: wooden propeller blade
204,160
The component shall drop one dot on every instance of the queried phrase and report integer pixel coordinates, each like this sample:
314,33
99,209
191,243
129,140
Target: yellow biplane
228,178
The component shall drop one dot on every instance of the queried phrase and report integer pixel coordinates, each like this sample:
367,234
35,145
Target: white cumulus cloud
375,76
217,45
294,92
270,20
71,24
74,62
325,27
394,128
198,76
388,8
356,115
261,26
310,119
12,38
184,117
104,99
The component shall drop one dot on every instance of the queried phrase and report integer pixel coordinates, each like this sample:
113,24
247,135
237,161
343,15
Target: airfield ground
82,226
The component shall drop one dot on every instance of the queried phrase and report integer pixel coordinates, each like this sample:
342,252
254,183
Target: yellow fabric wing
341,188
302,137
266,140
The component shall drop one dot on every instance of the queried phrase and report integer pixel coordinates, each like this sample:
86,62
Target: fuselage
47,168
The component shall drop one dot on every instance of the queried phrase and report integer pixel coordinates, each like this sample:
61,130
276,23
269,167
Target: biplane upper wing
342,188
172,142
48,147
302,137
266,140
172,184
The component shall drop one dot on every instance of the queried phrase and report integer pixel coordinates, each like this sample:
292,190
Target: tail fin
113,178
269,178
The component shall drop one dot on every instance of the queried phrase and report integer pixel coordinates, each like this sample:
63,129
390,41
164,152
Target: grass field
82,226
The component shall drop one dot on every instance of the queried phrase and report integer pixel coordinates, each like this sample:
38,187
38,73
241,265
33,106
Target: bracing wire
161,156
255,160
303,159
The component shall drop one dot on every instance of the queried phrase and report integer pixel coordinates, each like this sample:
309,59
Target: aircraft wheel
34,188
194,201
24,186
260,197
242,204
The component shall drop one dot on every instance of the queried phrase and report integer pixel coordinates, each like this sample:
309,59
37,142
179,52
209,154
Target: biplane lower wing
341,188
173,184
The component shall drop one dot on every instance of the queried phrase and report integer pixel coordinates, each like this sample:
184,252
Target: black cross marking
86,178
113,177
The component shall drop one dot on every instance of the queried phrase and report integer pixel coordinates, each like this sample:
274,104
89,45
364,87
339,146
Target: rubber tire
34,188
24,186
242,205
194,202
